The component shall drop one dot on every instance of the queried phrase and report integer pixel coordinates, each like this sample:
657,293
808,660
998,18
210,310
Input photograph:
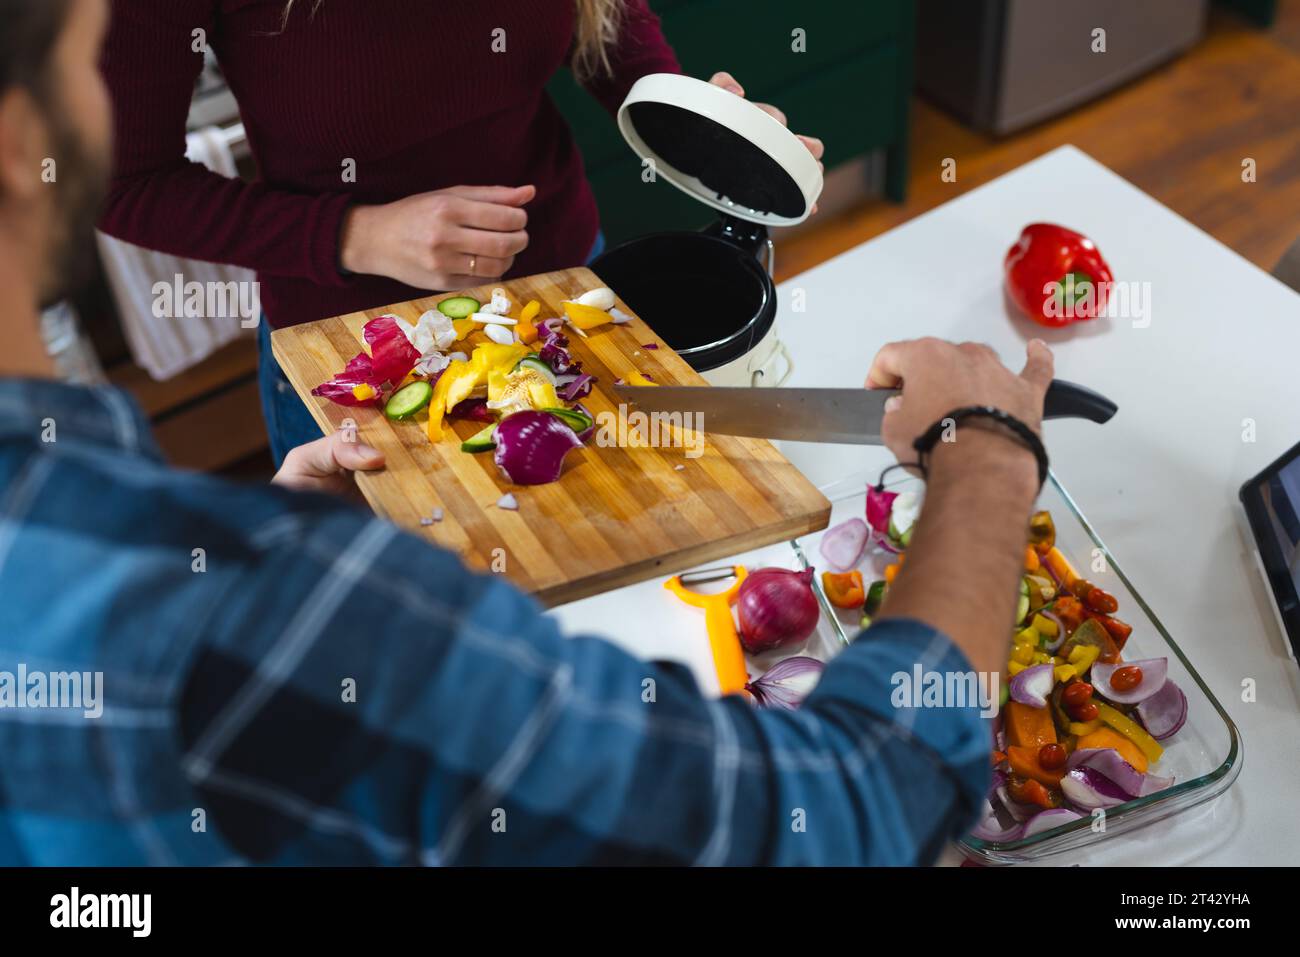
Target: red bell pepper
1056,276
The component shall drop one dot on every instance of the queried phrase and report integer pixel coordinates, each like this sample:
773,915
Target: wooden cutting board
618,515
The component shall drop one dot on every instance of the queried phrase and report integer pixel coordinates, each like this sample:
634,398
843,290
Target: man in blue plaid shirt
227,622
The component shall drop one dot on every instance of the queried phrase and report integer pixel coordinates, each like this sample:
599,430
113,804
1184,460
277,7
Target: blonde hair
595,31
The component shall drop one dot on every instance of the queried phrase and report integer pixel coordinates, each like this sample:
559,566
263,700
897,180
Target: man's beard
79,188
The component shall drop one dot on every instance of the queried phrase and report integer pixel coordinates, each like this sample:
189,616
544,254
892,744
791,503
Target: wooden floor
1180,134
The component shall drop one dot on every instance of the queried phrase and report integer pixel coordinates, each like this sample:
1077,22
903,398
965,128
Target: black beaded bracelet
926,441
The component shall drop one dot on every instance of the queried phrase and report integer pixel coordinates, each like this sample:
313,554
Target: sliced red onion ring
1053,645
1165,712
787,682
1046,820
1033,685
1154,673
843,545
1088,789
1112,765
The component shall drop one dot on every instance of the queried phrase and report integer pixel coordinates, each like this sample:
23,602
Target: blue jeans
288,423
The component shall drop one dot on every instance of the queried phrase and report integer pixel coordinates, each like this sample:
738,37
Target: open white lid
721,149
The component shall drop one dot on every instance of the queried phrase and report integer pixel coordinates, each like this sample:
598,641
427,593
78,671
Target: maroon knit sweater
409,89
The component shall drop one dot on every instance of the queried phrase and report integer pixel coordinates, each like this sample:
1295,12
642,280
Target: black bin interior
710,300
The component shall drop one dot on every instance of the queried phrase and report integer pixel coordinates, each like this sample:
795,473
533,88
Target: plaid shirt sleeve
402,710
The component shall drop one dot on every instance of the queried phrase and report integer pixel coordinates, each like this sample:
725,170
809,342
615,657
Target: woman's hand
326,465
448,239
728,82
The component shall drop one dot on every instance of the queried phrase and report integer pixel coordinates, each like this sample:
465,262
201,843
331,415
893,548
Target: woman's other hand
448,239
729,83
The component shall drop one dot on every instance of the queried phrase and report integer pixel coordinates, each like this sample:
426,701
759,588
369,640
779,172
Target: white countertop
1159,482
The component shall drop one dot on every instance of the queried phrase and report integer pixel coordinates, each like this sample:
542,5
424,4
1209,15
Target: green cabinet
848,85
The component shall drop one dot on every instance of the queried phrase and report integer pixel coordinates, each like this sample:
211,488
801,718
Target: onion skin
531,447
776,608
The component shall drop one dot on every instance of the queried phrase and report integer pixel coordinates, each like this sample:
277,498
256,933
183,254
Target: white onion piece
431,363
619,315
500,304
492,319
508,502
502,335
602,298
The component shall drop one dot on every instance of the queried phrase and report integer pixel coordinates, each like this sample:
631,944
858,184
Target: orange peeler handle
728,655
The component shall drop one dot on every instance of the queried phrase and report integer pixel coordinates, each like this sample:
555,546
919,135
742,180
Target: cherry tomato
1085,712
1126,678
1051,756
1080,588
1101,601
1076,693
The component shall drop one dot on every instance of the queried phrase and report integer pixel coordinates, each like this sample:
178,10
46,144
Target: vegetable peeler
728,656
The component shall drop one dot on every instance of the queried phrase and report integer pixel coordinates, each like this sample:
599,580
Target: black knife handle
1065,400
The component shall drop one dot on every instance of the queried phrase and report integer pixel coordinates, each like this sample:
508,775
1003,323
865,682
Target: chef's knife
848,416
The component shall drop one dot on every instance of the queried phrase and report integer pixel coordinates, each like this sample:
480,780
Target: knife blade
846,416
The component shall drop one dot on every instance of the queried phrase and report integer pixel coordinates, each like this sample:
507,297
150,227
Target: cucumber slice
1022,608
875,595
459,307
578,421
481,441
536,364
408,400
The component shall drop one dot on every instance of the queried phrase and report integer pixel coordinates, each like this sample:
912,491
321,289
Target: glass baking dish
1204,756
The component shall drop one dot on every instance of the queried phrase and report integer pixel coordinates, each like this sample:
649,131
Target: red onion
776,608
843,545
1018,811
1033,685
1089,789
786,683
879,505
531,447
1111,764
1154,673
475,409
390,351
990,830
1165,712
1053,644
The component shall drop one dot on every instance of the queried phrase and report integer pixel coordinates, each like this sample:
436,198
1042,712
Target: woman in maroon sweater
366,121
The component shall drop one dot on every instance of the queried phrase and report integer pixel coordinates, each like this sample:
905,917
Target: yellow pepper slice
363,391
636,378
1014,668
438,403
1131,730
586,317
529,312
463,327
1080,728
1064,673
1045,626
